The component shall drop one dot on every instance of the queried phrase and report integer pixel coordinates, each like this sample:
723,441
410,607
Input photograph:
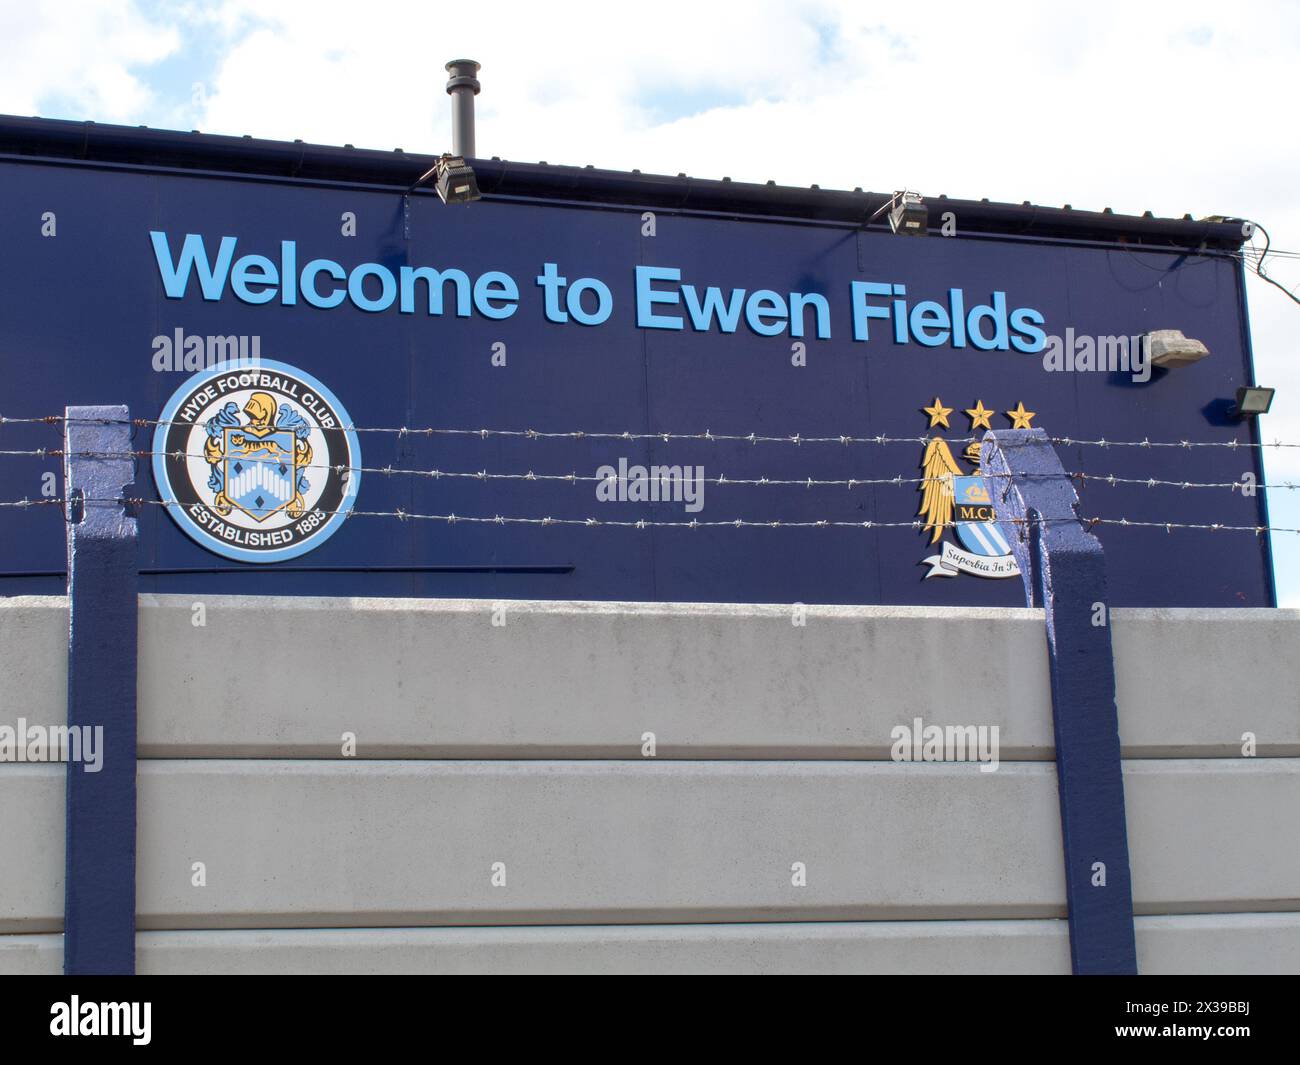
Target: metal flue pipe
462,87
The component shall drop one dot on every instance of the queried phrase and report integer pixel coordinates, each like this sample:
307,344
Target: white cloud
88,54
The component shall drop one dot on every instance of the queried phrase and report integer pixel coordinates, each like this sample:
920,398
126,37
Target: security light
908,215
455,180
1252,402
452,177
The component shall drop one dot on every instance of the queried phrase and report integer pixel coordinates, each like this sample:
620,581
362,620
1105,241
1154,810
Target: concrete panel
1219,944
812,947
382,843
1214,944
31,847
1189,683
435,679
413,843
1213,835
34,659
336,844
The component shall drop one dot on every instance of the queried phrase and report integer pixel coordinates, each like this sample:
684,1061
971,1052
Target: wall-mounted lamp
1252,402
452,177
908,215
455,181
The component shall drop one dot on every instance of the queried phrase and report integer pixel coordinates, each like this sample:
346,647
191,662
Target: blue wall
79,311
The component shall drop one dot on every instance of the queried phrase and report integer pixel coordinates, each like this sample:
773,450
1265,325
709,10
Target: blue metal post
1065,573
99,899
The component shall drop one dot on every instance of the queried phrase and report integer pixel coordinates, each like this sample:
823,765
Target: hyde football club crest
959,501
257,463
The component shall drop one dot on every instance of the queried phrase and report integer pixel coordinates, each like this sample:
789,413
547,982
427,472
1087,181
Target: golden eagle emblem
937,495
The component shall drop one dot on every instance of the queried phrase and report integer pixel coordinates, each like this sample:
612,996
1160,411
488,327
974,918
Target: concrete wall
521,744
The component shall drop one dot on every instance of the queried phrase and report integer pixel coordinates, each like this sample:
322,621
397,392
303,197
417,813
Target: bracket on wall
406,197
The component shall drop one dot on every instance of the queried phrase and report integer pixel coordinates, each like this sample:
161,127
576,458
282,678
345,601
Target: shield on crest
973,517
260,471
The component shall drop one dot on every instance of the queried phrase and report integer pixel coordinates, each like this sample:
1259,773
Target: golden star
980,415
1020,417
938,413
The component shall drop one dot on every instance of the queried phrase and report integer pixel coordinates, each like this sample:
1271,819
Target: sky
1170,107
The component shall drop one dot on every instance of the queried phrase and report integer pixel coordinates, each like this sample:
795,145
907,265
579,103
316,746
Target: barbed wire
535,434
654,523
668,437
484,475
1155,482
1232,445
721,480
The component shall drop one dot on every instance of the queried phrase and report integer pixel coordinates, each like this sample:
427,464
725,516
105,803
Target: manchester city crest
958,501
259,464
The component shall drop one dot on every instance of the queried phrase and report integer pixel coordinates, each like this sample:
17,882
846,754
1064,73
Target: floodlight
908,215
455,181
1252,401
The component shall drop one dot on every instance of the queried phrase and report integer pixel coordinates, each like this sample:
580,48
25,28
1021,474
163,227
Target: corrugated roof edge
141,146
